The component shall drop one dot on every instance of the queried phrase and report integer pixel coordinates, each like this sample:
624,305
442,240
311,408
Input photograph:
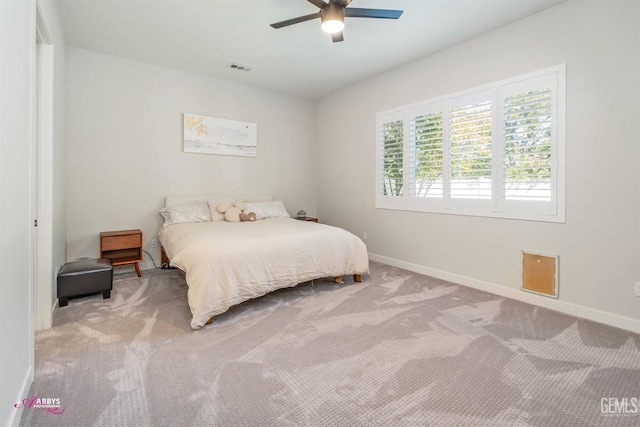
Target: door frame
43,176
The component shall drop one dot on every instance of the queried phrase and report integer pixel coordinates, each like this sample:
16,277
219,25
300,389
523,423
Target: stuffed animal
251,216
233,212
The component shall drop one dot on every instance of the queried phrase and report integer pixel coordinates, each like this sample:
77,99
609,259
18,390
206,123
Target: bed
226,263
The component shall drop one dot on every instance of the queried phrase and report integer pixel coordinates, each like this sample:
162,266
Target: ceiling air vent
240,67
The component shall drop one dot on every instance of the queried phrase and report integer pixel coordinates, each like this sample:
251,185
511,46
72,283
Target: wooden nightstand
122,247
308,218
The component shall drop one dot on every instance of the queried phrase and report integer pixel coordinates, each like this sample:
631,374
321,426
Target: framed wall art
211,135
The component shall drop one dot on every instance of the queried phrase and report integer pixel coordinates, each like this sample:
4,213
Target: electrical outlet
364,236
638,289
154,243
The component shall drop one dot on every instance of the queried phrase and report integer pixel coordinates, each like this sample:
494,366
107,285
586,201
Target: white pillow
178,214
213,204
265,210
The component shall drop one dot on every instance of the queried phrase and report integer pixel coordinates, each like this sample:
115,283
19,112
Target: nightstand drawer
122,247
121,242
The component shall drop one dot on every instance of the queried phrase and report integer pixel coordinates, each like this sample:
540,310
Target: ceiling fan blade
337,37
355,12
318,3
296,20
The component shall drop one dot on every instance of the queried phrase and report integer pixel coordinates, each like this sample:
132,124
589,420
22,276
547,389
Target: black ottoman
85,276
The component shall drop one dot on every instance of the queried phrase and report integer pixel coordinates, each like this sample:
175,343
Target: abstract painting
210,135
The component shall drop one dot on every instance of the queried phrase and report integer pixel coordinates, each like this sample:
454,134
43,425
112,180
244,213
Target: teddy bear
233,212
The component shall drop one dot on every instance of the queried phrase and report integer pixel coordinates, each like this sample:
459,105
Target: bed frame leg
210,321
338,280
357,278
164,259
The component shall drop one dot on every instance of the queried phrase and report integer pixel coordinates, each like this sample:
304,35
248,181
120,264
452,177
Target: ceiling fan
332,15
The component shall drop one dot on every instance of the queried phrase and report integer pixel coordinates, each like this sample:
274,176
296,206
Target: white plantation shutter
471,157
391,153
529,146
426,156
492,151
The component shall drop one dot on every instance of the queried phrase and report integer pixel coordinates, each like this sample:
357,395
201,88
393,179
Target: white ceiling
205,36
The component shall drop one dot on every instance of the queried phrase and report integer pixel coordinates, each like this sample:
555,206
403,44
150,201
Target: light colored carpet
398,349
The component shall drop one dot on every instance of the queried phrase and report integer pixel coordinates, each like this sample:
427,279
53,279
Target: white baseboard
16,414
610,319
148,265
53,313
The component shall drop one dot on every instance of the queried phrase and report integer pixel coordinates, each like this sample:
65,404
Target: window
393,163
493,151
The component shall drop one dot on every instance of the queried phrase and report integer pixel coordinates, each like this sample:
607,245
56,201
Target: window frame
498,206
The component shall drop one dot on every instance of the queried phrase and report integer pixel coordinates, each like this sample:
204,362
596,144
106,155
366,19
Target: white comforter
230,262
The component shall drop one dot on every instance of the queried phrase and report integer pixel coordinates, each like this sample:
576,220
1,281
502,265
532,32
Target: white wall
17,67
598,246
17,38
59,163
125,145
52,204
16,321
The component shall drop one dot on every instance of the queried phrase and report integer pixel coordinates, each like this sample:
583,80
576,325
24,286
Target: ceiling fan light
332,18
332,26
